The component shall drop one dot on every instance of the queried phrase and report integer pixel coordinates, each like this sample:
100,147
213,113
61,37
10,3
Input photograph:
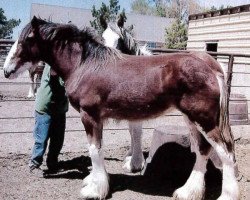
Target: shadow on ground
169,170
76,168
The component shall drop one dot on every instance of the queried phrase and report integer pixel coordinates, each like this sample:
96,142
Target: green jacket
51,96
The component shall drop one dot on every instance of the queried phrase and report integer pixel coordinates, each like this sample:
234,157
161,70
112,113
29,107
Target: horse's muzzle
7,74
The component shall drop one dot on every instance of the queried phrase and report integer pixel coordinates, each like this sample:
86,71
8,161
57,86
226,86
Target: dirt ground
168,170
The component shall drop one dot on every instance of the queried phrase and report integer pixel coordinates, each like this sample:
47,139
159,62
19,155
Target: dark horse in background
116,36
101,83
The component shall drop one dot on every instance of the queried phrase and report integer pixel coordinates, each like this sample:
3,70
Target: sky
20,9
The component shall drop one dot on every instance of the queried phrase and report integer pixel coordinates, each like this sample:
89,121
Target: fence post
230,74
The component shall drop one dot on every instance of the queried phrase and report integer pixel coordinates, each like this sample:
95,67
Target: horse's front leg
96,184
134,160
32,86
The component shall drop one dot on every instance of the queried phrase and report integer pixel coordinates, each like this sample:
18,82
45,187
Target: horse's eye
30,40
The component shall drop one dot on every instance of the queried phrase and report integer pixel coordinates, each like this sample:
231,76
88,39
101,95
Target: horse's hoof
90,192
93,191
95,186
186,193
87,180
128,159
225,197
132,165
228,197
30,96
127,166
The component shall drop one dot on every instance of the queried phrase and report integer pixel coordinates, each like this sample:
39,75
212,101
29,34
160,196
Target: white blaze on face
110,37
8,64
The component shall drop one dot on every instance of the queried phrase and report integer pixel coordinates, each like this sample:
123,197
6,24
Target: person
51,105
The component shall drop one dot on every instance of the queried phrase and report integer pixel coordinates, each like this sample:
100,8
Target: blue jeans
52,128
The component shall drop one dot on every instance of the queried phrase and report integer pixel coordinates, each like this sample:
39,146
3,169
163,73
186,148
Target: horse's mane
92,45
129,41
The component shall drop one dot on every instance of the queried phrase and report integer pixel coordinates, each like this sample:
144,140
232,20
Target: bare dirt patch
17,183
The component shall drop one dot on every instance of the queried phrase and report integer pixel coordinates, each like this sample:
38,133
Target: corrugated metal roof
216,13
146,28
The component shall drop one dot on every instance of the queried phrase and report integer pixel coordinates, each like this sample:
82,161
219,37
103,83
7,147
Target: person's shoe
36,171
53,168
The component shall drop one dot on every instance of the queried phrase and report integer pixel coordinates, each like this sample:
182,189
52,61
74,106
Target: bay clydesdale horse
102,83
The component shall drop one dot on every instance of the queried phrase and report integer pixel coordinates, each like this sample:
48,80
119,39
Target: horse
116,36
35,75
102,83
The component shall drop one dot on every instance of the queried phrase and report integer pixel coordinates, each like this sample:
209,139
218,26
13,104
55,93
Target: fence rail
5,46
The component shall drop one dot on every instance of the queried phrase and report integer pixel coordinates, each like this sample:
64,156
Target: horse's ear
34,22
103,22
121,20
34,25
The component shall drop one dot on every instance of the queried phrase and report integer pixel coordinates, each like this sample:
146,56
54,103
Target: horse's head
25,53
35,44
114,31
116,36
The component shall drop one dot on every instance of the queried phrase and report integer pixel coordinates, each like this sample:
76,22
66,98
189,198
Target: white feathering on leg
97,183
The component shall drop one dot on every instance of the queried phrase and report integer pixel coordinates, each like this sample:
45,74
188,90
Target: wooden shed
226,31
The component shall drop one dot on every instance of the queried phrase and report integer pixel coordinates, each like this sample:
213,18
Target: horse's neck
65,61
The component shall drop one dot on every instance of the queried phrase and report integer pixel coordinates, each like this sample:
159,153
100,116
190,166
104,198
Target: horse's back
215,66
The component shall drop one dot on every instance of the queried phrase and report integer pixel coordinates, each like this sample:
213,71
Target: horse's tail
224,126
223,119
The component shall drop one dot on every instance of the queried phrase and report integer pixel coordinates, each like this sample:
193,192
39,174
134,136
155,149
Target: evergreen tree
176,35
6,26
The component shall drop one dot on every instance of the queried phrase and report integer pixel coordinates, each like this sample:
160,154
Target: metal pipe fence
229,58
5,48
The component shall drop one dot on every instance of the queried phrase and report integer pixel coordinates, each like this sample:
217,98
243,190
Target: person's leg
56,135
40,134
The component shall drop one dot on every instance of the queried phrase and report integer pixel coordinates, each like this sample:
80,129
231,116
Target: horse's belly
137,99
137,112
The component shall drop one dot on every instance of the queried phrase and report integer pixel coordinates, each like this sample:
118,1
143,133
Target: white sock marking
96,184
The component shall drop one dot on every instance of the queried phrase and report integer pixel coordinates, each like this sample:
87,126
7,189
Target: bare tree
142,7
179,9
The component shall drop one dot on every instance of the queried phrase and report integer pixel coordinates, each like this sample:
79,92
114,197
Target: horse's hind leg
224,146
134,161
194,187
